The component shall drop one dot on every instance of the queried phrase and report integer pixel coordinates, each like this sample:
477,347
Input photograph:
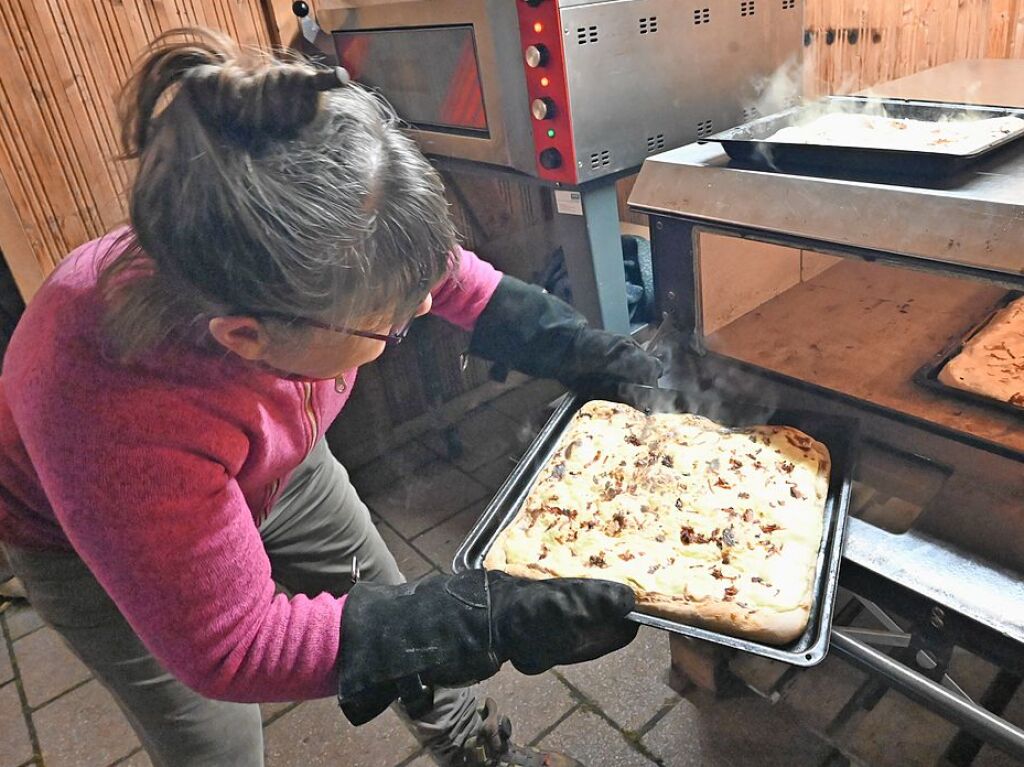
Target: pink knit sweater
158,474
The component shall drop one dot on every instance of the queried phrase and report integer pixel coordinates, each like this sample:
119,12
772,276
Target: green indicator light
551,132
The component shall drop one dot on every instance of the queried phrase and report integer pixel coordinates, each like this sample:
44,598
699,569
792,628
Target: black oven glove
454,630
526,329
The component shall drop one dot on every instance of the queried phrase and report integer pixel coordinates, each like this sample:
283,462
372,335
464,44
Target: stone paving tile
703,731
141,759
270,710
316,734
440,543
21,619
493,474
47,666
528,403
15,745
410,562
433,493
6,669
972,673
630,685
84,728
898,733
423,760
375,477
532,703
486,434
589,738
989,756
819,693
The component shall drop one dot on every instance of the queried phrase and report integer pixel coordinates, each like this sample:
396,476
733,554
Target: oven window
429,74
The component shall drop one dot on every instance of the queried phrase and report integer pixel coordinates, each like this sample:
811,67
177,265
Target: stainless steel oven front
570,90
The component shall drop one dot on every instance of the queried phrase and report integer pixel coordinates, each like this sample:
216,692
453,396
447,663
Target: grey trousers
311,535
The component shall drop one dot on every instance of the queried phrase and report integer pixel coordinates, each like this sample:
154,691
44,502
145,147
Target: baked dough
879,132
991,363
711,526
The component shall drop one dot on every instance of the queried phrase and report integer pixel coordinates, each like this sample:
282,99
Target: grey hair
262,190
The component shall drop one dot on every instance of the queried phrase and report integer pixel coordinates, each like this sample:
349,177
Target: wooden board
864,330
63,61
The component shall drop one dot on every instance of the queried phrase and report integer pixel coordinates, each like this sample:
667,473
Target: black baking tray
839,434
928,374
746,143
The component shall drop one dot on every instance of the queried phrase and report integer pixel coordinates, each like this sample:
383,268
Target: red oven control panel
540,31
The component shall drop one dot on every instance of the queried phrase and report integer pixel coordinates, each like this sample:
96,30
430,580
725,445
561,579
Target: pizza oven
566,91
843,286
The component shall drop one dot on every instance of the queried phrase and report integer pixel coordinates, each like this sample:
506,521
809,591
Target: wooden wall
61,63
854,44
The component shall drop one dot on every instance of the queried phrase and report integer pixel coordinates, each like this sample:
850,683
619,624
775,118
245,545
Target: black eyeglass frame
393,338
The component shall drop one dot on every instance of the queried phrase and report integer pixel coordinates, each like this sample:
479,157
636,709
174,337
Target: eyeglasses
395,337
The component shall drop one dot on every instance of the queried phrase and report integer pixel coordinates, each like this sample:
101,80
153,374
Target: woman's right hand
458,629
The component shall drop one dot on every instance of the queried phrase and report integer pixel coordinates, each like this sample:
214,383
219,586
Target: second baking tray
749,143
928,375
837,433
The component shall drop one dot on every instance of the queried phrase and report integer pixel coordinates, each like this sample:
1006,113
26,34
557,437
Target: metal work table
972,227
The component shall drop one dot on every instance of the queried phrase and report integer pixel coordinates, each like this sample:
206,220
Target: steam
701,385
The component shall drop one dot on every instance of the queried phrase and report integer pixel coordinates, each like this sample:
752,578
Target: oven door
451,68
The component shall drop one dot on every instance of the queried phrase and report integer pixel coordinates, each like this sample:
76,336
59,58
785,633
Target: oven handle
964,713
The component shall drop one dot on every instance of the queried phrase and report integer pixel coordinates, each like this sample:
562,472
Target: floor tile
378,475
15,746
430,495
532,703
6,669
589,738
440,543
486,434
989,756
703,731
141,759
410,562
316,734
423,760
817,694
630,685
492,475
898,733
21,619
760,673
528,403
84,728
270,710
47,666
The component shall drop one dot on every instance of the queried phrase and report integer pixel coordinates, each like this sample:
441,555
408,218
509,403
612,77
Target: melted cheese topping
877,132
677,506
992,361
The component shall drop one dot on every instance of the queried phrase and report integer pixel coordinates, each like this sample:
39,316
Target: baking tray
747,144
838,433
928,374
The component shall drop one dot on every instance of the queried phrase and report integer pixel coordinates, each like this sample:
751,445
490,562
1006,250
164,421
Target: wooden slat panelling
852,45
62,63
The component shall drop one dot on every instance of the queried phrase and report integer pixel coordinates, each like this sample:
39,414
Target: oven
565,91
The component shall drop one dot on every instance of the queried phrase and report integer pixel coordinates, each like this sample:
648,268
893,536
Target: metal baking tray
839,434
928,374
747,143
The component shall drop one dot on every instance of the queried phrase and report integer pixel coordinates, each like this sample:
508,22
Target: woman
163,405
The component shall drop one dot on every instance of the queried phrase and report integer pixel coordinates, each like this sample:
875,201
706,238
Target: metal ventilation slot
788,5
705,128
648,25
586,35
701,15
600,159
751,113
656,142
747,8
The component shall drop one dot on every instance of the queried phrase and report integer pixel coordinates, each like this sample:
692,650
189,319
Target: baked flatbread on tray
992,361
710,526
